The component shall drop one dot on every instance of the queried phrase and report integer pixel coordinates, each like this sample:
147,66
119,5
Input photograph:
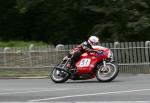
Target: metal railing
131,56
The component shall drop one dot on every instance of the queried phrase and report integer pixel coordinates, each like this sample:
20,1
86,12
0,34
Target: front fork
63,64
67,61
105,67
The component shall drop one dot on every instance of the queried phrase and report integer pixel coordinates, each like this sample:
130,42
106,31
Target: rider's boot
72,68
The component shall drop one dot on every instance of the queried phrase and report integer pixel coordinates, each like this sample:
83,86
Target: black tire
63,79
110,67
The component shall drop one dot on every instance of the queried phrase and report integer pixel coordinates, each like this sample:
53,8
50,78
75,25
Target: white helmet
93,40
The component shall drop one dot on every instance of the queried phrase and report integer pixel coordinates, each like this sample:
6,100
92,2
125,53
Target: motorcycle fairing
86,63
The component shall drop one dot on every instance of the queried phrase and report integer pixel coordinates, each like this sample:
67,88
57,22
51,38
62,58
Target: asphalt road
123,88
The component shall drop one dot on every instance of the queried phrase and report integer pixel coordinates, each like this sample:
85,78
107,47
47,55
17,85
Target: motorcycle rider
86,46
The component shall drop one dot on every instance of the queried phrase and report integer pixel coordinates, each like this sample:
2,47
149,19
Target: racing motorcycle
99,64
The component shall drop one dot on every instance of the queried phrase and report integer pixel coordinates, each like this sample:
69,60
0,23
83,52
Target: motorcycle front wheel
59,76
108,73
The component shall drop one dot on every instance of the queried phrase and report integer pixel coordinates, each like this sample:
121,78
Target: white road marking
23,89
34,91
83,95
84,102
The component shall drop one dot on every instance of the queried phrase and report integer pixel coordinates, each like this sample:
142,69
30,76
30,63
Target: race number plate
85,62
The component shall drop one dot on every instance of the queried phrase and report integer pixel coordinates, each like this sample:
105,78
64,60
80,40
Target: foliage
72,21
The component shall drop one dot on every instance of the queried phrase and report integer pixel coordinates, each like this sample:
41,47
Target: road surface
123,88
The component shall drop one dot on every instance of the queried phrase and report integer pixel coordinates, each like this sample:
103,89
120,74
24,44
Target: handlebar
97,51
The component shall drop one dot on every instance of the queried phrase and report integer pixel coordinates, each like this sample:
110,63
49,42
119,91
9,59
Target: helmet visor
93,43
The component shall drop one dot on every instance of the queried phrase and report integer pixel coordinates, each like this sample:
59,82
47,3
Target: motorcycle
99,64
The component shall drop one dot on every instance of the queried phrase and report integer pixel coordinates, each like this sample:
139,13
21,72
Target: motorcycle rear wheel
107,74
59,76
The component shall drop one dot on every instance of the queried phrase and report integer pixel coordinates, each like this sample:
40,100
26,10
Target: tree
124,20
72,21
